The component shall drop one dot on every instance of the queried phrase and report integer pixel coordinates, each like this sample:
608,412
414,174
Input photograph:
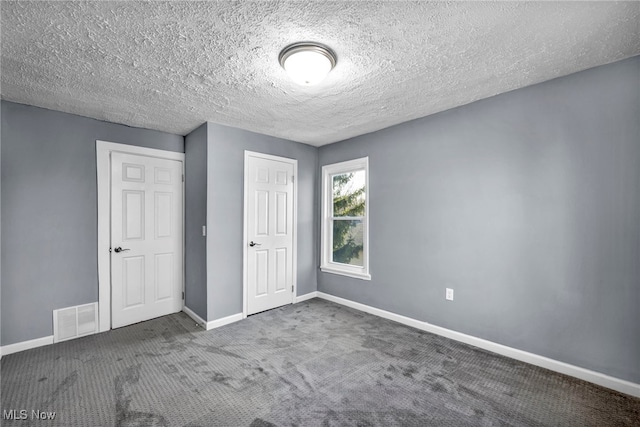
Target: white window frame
327,265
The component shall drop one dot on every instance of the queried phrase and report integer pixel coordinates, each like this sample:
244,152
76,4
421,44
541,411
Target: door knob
119,249
252,244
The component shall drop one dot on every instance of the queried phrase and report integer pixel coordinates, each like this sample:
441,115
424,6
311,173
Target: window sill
361,276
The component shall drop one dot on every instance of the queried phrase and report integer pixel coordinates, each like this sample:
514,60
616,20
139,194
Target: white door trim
245,282
103,150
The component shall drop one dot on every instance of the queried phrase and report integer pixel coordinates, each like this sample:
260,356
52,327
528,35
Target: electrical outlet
449,294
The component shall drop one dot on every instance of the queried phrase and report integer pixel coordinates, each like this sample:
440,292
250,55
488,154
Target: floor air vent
74,322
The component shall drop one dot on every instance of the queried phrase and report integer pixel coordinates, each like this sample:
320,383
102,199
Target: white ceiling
171,66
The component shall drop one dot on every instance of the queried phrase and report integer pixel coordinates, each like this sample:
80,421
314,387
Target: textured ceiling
173,65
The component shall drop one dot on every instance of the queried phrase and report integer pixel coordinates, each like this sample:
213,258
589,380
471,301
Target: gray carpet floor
311,364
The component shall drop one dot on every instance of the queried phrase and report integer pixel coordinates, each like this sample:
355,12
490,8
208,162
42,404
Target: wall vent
74,322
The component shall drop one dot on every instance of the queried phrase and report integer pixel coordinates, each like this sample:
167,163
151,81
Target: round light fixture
307,63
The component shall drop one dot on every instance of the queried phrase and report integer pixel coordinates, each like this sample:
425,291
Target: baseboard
26,345
223,321
213,323
199,320
305,297
39,342
603,380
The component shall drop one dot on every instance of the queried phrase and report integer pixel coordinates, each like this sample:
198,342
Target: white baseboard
305,297
39,342
213,323
224,321
199,320
613,383
26,345
603,380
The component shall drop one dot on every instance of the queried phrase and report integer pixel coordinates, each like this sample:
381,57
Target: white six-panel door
269,232
146,238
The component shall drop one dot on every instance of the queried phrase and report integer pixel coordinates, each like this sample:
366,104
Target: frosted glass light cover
307,67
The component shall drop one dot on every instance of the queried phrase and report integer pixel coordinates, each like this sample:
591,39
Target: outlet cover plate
449,294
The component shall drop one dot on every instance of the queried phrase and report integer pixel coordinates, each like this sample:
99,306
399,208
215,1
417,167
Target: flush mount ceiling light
307,63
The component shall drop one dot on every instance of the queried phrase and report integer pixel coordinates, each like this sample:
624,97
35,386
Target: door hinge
293,178
182,177
182,294
292,289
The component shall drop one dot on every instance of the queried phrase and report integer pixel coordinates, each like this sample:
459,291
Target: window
345,222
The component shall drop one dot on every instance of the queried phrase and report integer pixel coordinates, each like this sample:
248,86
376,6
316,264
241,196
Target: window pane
348,242
349,194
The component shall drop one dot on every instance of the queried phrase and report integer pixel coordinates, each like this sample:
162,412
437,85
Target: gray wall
195,149
225,213
49,212
527,204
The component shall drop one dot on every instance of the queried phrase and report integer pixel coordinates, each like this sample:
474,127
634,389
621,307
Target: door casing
245,282
103,163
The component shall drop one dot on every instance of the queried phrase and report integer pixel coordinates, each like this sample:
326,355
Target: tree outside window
348,209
